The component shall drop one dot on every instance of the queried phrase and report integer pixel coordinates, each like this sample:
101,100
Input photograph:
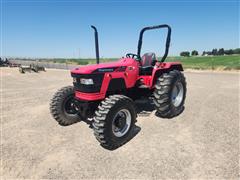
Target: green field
209,62
195,62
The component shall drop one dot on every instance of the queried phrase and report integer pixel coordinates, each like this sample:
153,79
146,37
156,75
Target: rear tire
113,121
169,94
62,107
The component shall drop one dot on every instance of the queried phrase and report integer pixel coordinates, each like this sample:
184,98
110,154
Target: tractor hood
102,67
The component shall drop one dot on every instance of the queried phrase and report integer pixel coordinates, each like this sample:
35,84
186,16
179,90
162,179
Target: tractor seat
148,60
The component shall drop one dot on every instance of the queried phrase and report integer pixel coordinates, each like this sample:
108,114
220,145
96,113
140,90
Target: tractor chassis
86,109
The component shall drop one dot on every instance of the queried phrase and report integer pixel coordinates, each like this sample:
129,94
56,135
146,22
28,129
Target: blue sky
50,28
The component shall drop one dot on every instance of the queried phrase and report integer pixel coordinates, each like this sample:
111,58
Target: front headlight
75,80
86,81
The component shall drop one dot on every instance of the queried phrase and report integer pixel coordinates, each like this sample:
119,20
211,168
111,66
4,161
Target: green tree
194,53
185,53
228,52
220,52
208,52
214,52
236,51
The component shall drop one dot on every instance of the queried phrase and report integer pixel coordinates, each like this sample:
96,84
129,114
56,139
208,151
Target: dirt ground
201,143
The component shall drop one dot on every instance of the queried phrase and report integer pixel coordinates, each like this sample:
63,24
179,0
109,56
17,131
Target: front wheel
113,121
63,107
169,94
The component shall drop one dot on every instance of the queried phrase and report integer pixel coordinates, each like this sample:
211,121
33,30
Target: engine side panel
121,77
116,84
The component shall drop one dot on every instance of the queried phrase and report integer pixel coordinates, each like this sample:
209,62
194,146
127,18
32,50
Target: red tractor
104,94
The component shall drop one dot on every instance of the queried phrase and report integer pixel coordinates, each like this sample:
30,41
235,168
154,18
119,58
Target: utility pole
79,53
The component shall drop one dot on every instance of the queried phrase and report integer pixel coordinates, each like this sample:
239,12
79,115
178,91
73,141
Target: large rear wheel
169,94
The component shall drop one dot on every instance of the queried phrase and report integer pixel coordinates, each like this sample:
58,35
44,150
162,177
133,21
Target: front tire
170,94
63,107
113,121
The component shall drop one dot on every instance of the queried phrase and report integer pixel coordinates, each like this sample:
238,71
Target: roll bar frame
168,39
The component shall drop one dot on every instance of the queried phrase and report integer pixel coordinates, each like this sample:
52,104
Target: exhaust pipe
96,43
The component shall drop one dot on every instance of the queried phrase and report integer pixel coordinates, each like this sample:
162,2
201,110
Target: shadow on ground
144,107
136,129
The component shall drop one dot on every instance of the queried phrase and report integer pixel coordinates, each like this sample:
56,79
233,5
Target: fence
45,64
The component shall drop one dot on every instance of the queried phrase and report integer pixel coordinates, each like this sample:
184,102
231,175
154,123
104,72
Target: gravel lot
201,143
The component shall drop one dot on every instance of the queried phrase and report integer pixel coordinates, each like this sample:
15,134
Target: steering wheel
133,56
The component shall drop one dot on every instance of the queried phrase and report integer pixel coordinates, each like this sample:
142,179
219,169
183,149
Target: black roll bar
167,40
96,43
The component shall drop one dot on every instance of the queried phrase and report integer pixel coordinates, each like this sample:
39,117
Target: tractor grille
97,82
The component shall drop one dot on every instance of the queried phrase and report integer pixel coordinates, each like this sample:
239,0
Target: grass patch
209,62
195,62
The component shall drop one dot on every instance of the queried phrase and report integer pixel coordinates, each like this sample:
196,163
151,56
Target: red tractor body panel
164,67
126,69
91,68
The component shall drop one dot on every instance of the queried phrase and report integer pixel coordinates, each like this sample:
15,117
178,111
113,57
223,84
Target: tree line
214,52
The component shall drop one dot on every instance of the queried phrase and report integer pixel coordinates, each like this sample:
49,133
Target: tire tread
99,123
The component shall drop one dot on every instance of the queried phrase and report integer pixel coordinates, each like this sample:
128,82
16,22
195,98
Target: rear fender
165,67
